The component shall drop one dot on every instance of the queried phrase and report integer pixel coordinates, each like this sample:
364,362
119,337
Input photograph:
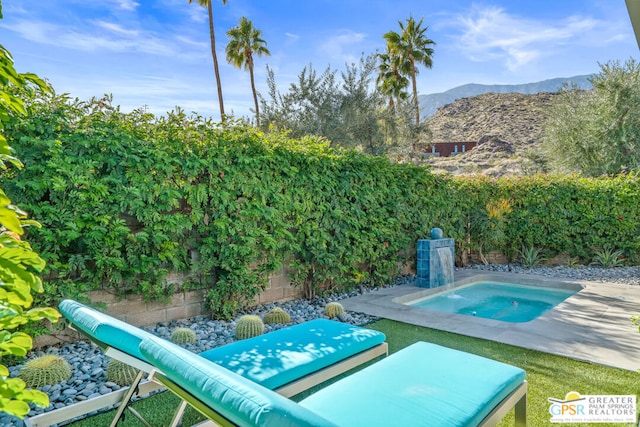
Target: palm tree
411,47
212,36
244,43
390,80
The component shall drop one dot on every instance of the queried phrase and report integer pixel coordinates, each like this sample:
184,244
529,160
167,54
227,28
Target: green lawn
547,375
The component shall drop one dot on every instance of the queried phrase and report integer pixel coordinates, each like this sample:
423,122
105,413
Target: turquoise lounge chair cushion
285,355
421,385
234,397
104,328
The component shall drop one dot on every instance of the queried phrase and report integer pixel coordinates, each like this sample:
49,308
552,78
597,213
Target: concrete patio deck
593,325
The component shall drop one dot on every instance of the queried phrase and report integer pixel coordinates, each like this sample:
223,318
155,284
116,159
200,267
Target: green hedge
565,214
126,198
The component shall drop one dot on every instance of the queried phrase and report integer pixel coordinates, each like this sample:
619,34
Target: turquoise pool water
500,301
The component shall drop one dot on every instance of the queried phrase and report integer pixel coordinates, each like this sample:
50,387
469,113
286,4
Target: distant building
444,149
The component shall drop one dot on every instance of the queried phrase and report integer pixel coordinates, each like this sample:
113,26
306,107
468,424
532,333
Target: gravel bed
622,275
89,363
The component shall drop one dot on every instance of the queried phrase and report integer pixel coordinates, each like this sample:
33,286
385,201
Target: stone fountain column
435,260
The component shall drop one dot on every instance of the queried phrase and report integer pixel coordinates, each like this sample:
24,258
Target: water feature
499,301
435,260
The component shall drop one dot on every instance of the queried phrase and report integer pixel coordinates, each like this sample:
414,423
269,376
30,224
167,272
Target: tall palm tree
212,36
412,47
244,43
390,80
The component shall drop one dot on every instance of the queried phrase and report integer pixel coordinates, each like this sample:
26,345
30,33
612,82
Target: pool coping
592,325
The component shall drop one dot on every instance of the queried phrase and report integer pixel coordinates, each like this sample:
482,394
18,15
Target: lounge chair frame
516,400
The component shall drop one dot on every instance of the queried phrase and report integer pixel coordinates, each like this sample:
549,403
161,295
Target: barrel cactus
334,309
249,326
183,336
120,373
277,315
44,370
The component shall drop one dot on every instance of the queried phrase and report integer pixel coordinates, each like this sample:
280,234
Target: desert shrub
334,309
183,336
277,315
121,373
249,326
608,257
44,370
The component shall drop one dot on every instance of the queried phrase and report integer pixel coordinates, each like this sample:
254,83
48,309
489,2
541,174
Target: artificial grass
547,375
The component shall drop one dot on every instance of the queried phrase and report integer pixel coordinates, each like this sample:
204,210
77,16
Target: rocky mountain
507,127
430,103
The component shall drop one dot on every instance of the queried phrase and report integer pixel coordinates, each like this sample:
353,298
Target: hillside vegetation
507,125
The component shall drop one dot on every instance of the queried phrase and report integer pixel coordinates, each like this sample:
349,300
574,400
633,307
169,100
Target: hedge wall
126,198
562,214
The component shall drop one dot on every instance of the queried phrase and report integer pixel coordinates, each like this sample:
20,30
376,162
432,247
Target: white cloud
343,45
127,4
189,41
116,39
292,37
197,13
492,34
115,28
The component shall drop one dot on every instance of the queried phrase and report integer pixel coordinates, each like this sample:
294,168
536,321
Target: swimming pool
507,302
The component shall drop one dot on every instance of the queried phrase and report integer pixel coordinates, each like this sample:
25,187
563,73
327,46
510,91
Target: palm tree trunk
215,59
415,92
255,94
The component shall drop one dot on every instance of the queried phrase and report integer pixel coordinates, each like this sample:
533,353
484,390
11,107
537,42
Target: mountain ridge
430,103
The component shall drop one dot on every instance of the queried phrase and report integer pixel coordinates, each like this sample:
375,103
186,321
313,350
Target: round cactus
44,370
120,373
183,336
277,315
249,326
334,309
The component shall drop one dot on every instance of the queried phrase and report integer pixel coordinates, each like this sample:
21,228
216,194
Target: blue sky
156,53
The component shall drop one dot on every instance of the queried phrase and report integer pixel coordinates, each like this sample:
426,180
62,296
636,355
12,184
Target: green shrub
531,256
249,326
334,309
148,193
44,370
183,336
121,373
608,257
277,315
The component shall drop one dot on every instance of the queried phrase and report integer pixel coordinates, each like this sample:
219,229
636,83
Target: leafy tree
348,111
308,108
19,264
597,131
410,47
212,36
244,43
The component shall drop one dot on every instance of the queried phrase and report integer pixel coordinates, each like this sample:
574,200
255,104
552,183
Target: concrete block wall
183,305
279,288
135,311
